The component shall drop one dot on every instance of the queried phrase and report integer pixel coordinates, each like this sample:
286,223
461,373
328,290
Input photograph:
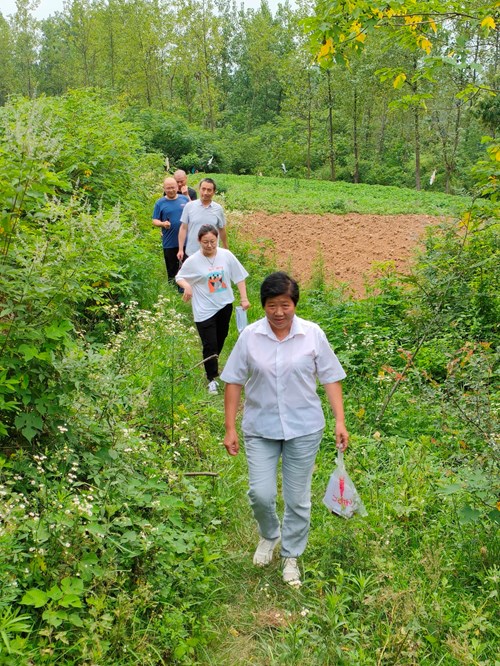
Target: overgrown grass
111,553
406,585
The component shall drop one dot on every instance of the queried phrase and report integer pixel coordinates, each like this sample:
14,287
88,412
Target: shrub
60,265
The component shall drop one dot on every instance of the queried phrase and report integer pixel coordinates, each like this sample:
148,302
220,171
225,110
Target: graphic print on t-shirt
216,280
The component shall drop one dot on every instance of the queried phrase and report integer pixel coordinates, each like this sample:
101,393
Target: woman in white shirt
206,279
279,360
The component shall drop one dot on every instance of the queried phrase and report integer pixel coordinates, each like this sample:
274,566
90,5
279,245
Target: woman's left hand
245,303
231,442
341,436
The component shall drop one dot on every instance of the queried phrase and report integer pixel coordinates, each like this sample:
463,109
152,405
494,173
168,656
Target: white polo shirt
280,378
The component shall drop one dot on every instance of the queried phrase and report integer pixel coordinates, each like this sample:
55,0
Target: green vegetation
111,551
274,195
216,86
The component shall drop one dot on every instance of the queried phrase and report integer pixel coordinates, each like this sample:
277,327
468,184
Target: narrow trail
252,598
257,613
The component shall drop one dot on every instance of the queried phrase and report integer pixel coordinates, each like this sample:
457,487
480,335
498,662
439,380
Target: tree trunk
208,80
368,132
418,185
309,124
330,126
497,53
355,137
381,143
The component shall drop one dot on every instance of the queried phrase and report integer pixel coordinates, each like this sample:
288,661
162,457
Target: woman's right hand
231,442
188,292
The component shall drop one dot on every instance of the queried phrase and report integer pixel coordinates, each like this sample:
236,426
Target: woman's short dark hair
207,229
279,284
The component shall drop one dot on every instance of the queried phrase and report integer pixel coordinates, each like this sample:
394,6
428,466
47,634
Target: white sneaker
291,573
213,387
264,553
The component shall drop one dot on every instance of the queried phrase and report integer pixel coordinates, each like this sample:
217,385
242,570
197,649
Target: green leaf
97,529
35,597
54,593
89,559
129,535
469,515
42,534
72,585
75,620
494,515
451,489
54,618
70,600
30,424
58,330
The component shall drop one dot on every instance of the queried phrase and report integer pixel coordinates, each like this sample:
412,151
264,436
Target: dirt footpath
348,244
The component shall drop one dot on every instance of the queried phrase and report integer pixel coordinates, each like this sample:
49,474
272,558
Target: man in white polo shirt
196,214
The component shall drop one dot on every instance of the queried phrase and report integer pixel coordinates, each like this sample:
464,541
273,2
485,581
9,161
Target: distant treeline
215,87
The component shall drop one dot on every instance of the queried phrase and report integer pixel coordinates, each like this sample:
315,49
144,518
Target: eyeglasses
207,243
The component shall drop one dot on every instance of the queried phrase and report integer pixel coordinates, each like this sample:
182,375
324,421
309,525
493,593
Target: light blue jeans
298,456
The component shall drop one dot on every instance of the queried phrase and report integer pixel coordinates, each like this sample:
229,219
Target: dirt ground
348,245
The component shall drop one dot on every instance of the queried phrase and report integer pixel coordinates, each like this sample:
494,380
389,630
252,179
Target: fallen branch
209,358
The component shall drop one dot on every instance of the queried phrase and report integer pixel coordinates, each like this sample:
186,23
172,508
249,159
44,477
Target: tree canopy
377,92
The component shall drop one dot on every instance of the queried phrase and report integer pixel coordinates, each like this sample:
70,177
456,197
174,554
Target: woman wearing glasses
206,278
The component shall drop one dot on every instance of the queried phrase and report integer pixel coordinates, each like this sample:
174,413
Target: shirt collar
264,328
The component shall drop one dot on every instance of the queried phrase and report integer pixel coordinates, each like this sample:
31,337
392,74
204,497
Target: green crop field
274,195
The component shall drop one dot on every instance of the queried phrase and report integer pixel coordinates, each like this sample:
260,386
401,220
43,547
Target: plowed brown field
348,245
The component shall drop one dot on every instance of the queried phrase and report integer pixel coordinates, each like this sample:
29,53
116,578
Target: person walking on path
279,360
182,186
206,278
167,215
197,213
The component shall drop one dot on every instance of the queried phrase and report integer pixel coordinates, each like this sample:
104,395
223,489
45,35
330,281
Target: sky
48,7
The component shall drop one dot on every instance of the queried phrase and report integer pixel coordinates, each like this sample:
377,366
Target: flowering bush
101,527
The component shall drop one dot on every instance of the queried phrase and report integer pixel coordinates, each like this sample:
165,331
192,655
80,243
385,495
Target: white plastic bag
341,496
241,318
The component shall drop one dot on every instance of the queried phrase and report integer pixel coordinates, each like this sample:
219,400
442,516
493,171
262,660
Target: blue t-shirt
171,210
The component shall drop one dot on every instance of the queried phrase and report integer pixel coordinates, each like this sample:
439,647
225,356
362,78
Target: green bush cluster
61,261
106,548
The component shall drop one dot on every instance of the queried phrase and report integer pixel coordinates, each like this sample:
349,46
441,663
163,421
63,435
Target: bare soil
351,247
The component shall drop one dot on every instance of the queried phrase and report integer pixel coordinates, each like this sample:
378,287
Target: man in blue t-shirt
167,215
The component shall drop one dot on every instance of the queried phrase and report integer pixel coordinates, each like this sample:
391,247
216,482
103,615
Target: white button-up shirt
280,378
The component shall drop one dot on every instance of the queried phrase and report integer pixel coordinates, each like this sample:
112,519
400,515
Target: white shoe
264,553
213,387
291,573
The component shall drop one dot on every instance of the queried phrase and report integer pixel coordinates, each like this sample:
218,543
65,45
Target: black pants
171,262
213,333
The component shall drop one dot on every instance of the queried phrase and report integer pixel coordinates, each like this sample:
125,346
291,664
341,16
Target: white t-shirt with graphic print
210,279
